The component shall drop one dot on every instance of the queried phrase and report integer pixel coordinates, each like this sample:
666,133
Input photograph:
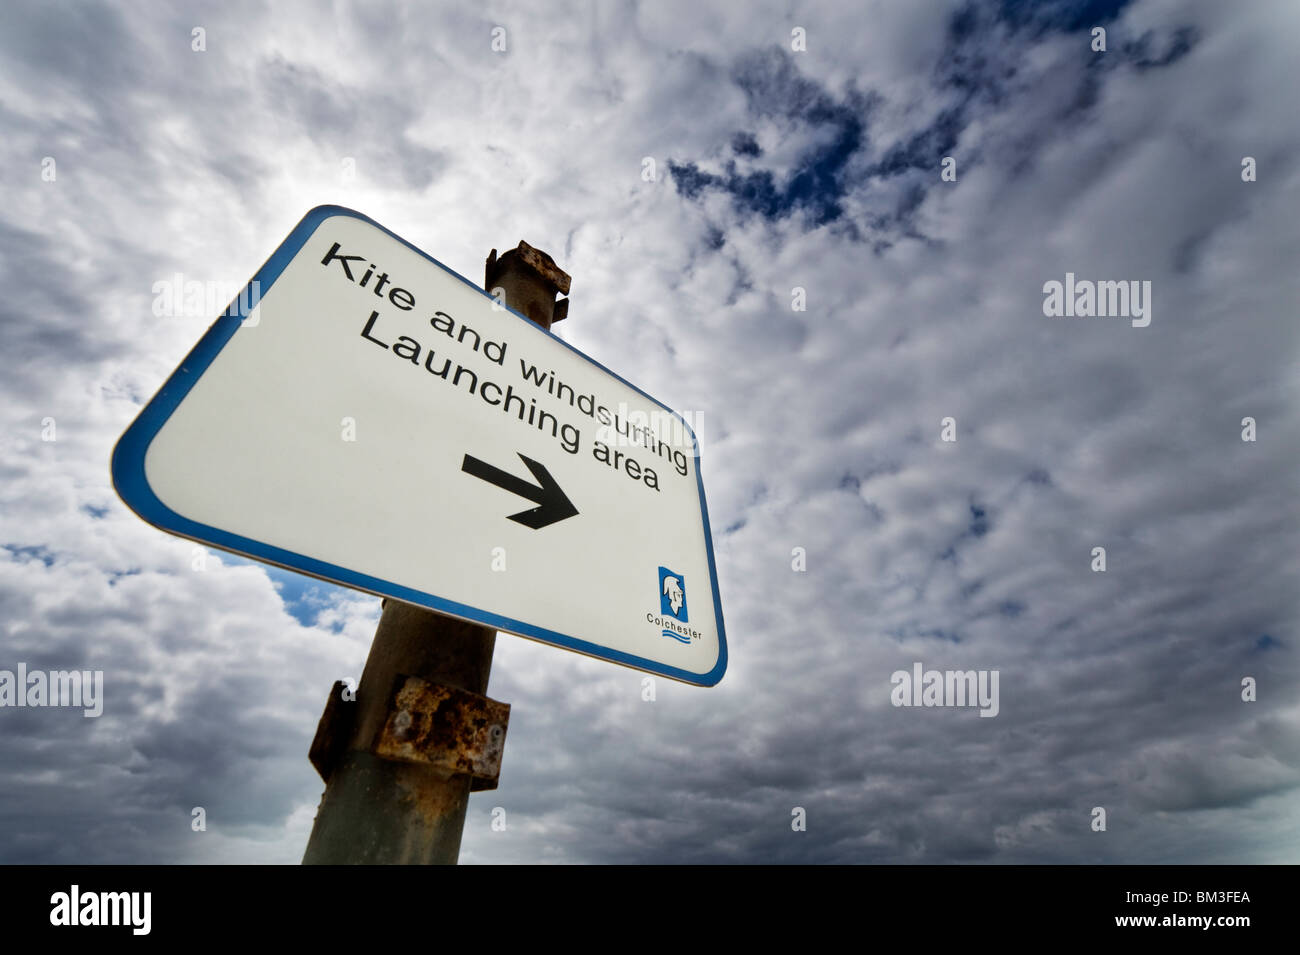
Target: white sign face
380,422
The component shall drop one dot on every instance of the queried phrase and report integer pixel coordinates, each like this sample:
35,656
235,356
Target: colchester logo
672,600
672,608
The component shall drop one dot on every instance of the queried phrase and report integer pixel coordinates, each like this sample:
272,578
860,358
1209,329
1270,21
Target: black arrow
554,504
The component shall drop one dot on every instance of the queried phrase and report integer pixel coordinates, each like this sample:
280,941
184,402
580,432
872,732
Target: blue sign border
132,486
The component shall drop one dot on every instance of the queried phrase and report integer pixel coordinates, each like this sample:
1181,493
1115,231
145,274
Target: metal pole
379,809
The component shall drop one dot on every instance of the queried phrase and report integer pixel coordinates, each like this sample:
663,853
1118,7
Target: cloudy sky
794,146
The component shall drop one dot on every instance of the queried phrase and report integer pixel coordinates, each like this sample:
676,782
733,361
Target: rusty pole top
530,280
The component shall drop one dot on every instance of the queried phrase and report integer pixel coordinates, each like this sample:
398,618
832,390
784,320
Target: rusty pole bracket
446,728
333,731
450,729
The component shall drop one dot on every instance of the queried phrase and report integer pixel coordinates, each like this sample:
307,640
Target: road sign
365,415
